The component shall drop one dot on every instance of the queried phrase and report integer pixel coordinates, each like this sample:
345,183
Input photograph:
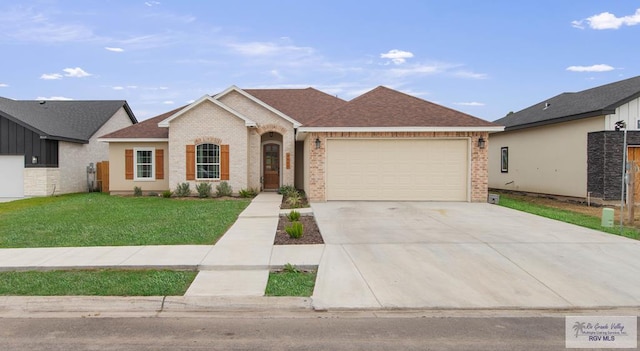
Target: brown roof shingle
303,105
147,129
384,107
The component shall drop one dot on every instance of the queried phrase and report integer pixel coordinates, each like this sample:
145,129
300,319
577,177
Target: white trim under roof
247,121
133,140
302,131
295,123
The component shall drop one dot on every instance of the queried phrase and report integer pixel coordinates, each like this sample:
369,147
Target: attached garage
398,169
11,176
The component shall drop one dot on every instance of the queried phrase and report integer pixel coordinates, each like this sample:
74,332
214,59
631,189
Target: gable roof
147,129
74,121
598,101
247,122
387,108
303,105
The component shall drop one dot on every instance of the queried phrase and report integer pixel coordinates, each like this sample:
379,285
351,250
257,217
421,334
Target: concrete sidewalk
237,265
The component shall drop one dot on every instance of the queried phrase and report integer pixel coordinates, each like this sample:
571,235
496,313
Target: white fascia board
133,140
400,129
247,121
295,123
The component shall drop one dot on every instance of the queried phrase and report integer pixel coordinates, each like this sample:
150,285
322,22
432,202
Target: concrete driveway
467,255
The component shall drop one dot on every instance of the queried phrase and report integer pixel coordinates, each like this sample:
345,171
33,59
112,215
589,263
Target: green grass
580,219
291,283
96,283
94,219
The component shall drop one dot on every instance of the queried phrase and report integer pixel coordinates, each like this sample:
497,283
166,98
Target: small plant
286,190
182,190
204,190
137,191
289,268
294,199
223,189
167,194
294,216
248,193
295,230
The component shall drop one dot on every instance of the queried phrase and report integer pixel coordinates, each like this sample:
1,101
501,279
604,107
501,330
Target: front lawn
96,283
291,283
94,219
567,216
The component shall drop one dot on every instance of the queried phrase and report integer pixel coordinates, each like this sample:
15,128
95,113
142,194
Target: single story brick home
568,144
46,146
382,145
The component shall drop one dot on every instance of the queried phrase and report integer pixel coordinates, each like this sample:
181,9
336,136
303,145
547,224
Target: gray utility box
494,199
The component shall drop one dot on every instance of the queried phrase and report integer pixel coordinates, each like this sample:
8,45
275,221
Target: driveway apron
467,255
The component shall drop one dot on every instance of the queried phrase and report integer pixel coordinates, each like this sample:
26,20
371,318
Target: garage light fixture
34,159
317,143
481,142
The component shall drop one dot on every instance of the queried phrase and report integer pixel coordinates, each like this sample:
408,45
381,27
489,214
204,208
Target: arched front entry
271,166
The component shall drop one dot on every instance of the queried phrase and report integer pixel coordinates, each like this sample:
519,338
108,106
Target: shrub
251,192
137,191
167,194
294,199
203,189
295,230
294,216
223,189
182,190
286,190
289,268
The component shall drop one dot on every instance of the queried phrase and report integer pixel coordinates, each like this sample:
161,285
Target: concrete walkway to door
467,255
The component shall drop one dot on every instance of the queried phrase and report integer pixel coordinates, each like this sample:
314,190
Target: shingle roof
384,107
147,129
72,120
303,105
592,102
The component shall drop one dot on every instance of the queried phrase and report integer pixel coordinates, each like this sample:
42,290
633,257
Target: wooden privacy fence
102,176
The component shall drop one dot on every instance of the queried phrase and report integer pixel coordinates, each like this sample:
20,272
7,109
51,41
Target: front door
271,166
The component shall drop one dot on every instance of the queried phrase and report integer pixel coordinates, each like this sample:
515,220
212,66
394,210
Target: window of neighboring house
144,164
208,161
504,160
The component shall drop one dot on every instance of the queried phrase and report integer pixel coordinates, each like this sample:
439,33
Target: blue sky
485,58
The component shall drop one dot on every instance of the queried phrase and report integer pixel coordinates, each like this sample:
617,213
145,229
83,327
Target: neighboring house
46,146
567,145
383,145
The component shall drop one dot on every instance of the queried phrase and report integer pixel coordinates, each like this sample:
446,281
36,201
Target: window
144,164
208,161
504,160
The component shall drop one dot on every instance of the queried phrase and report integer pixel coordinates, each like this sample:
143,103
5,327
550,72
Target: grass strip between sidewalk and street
95,219
571,217
96,283
291,283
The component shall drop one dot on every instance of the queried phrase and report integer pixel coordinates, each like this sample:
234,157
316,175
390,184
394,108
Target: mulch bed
310,236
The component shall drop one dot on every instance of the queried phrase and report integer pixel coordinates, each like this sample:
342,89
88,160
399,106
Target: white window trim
219,162
153,164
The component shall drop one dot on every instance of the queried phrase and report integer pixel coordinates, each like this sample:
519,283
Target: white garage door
11,176
398,169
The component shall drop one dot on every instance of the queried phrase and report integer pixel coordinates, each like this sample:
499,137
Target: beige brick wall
41,181
208,122
315,170
74,158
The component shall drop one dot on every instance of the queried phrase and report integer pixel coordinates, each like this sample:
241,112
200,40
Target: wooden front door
271,166
633,156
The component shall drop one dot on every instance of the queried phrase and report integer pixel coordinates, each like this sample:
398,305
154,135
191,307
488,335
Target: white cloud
151,3
168,102
76,72
117,88
58,98
163,88
190,101
469,74
423,69
26,24
473,103
269,49
593,68
50,76
113,49
132,87
3,85
397,56
607,20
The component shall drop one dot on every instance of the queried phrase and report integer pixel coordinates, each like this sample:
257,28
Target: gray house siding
18,140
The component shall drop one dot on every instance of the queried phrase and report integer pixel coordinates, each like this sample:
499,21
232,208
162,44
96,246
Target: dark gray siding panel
18,140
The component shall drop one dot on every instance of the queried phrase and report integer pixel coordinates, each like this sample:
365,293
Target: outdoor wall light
34,159
481,142
317,143
270,134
